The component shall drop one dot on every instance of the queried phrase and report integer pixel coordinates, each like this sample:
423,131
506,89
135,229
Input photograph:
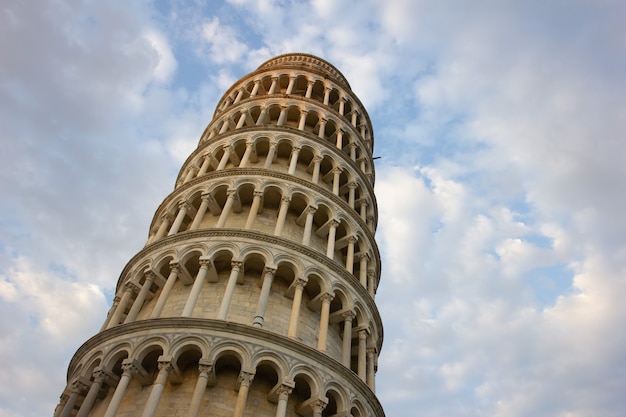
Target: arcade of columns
254,294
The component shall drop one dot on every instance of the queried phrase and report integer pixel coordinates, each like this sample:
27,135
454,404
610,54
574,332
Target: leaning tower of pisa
254,294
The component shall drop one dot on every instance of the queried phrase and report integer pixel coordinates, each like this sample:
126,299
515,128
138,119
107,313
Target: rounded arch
231,350
337,399
113,360
187,343
303,375
271,359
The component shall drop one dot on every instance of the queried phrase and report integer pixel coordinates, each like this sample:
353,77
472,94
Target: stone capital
348,315
132,286
327,297
205,261
129,367
269,270
245,378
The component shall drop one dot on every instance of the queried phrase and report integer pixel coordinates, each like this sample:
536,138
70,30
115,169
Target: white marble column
205,369
141,297
282,215
327,91
129,288
183,206
225,125
283,396
308,225
292,83
295,308
363,212
245,380
317,161
361,360
324,316
230,289
371,286
254,209
225,158
363,258
330,245
302,121
205,264
242,119
165,367
342,105
99,375
165,291
246,155
268,277
165,223
239,96
351,194
128,370
255,89
190,174
273,86
353,151
270,155
336,178
77,388
371,368
322,132
228,206
350,255
262,116
282,117
204,205
206,162
346,351
309,88
339,142
295,151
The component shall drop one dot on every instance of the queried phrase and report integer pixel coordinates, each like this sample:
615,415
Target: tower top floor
310,63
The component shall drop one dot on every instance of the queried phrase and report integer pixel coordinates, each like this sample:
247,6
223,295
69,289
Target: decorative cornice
308,61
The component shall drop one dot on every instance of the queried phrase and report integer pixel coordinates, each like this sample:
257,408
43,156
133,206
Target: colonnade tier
249,143
285,155
306,82
110,372
255,200
282,287
298,115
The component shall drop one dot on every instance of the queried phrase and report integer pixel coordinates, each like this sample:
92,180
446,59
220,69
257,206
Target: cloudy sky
500,126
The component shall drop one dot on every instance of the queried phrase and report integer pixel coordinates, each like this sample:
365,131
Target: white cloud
167,62
223,43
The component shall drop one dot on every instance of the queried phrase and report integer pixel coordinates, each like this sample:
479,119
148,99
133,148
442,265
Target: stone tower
254,295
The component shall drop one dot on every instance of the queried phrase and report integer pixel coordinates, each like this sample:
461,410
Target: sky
500,184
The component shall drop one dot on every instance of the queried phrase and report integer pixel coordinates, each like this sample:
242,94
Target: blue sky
500,127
